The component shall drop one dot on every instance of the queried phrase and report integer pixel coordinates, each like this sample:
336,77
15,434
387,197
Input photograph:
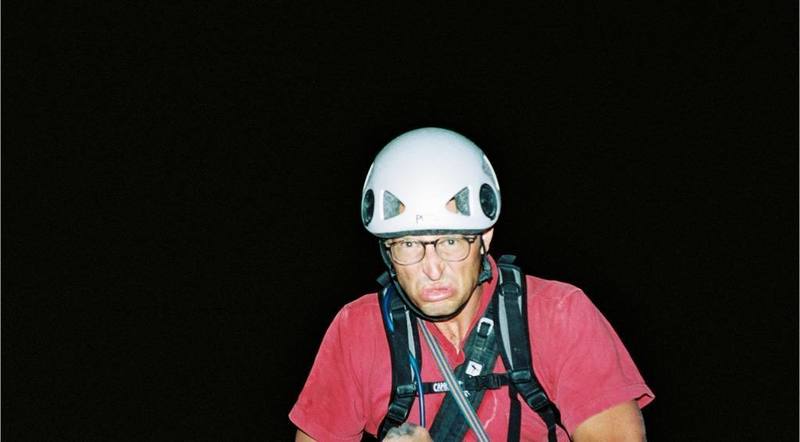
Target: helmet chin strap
484,275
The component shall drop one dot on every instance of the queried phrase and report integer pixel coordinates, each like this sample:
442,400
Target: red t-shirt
578,358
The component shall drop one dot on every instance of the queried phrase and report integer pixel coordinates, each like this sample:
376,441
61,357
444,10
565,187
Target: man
432,199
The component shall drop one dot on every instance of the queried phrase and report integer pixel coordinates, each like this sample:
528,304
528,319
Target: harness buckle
406,390
489,322
538,400
397,413
510,289
534,395
491,382
519,376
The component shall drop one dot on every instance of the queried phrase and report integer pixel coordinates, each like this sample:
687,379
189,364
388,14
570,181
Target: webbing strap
404,341
455,391
516,355
491,381
514,416
507,314
481,356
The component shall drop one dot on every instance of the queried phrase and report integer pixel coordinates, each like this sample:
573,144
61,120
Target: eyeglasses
412,251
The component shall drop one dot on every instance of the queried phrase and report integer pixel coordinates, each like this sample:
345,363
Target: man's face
440,287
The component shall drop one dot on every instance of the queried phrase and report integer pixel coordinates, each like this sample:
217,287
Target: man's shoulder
552,295
365,302
363,310
549,288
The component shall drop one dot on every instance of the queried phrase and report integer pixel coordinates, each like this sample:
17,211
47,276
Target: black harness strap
480,358
503,329
515,349
403,340
491,381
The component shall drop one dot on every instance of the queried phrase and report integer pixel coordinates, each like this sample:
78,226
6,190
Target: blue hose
413,361
386,315
415,367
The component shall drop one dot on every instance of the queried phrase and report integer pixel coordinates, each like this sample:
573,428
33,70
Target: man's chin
440,311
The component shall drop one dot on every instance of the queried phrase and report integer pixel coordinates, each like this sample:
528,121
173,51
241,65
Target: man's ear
486,238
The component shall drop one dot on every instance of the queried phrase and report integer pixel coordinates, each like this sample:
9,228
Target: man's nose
432,264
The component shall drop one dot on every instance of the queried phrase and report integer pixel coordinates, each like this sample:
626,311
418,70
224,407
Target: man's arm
302,437
405,433
621,422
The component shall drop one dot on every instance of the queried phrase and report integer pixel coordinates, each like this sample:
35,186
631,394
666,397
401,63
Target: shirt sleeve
593,371
330,406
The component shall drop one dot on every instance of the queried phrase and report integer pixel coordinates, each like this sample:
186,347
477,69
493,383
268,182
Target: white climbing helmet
430,181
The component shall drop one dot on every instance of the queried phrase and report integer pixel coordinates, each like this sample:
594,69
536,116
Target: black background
180,190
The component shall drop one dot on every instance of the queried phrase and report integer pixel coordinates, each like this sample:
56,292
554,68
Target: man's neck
455,329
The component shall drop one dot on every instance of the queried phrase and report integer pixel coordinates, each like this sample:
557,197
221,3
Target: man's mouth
433,294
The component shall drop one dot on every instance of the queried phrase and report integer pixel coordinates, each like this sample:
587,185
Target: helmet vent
460,202
392,206
488,201
368,207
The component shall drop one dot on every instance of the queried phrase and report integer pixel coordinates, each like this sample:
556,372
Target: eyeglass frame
470,240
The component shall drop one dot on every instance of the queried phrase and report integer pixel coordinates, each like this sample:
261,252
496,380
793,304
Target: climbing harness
501,330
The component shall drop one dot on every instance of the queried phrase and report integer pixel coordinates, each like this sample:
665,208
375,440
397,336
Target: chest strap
404,346
491,381
481,355
506,321
512,317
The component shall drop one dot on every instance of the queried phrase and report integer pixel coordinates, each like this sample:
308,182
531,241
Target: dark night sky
180,192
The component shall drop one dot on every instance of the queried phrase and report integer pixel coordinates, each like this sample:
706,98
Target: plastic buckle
491,382
406,390
510,289
397,413
485,321
519,376
538,400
